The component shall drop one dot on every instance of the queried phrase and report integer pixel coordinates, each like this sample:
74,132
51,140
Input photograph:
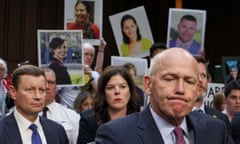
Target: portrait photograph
60,50
132,32
231,67
85,15
212,90
139,63
186,29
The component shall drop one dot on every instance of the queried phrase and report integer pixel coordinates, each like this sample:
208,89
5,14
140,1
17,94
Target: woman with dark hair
83,22
133,42
116,98
83,101
59,50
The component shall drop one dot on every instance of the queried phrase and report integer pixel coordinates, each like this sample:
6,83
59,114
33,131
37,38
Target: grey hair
4,64
154,65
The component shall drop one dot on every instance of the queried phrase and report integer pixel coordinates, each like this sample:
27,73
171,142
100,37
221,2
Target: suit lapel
210,112
12,130
46,130
199,128
147,128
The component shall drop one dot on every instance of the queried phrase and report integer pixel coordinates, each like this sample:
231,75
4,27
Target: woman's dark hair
56,42
125,38
82,96
88,8
101,105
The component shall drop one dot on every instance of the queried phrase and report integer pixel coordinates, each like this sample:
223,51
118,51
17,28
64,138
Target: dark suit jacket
219,115
140,128
236,128
10,134
87,127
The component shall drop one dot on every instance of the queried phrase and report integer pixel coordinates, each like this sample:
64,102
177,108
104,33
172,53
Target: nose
89,106
180,87
37,94
117,90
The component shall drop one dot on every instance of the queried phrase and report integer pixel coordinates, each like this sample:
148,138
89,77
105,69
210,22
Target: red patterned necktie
179,135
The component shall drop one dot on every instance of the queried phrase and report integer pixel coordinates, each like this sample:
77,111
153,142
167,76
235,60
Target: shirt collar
201,107
25,123
165,127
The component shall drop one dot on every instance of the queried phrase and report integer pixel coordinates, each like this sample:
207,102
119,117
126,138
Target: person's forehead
202,67
184,64
50,75
235,92
28,79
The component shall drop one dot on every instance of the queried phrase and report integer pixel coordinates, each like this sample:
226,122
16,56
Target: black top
236,128
62,75
88,127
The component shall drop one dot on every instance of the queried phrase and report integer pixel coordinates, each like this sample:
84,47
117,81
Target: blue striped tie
35,135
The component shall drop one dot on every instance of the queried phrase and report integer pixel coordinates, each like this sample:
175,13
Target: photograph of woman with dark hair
83,20
133,41
59,50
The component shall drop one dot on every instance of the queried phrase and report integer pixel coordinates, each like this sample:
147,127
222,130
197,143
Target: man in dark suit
199,105
28,91
236,128
172,86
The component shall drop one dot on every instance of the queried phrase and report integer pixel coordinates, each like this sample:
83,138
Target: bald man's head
171,55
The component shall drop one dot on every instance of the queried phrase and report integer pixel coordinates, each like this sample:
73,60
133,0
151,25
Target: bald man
172,85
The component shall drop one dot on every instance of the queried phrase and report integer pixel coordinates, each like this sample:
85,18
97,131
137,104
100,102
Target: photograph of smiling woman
85,15
132,32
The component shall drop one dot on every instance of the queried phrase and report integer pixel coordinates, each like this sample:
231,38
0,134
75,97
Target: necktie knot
35,135
179,135
33,127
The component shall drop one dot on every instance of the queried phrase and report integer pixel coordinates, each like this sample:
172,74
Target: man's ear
12,90
147,85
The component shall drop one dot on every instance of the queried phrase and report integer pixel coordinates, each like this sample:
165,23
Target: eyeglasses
49,82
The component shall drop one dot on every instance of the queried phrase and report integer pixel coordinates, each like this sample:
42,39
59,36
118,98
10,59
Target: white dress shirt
201,108
68,118
25,131
166,129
